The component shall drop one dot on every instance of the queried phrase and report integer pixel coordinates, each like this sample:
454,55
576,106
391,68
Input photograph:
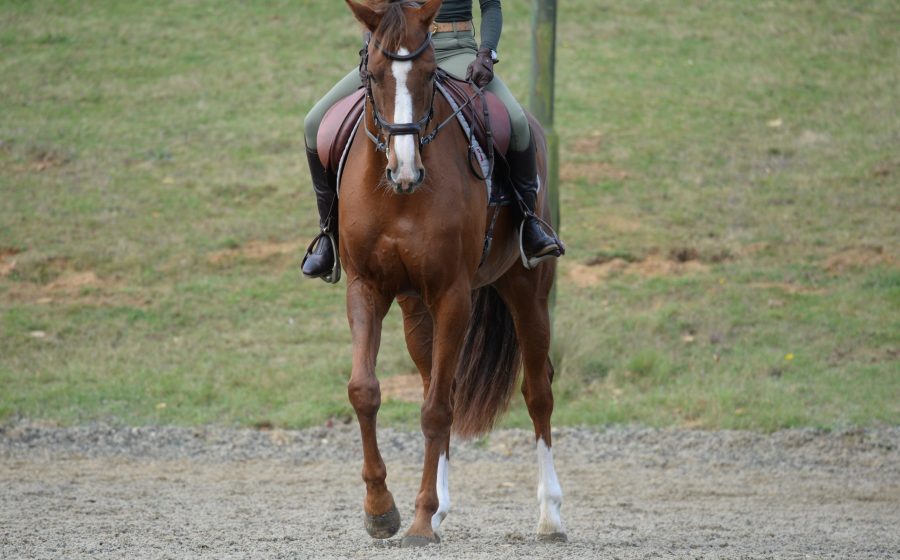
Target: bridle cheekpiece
382,126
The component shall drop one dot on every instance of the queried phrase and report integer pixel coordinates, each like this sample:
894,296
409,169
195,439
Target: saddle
474,113
337,128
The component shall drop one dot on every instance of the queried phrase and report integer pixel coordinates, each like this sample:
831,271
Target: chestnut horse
417,237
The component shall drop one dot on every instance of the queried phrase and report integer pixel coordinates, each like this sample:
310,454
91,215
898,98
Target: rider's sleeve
491,24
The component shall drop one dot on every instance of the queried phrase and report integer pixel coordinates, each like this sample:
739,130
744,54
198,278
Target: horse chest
401,260
385,256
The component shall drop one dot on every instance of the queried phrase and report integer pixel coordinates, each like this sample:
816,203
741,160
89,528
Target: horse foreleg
366,309
528,305
418,327
451,318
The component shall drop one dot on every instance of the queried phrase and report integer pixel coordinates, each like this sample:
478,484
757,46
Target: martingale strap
485,159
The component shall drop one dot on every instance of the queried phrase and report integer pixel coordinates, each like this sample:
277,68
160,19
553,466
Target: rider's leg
319,263
536,242
454,53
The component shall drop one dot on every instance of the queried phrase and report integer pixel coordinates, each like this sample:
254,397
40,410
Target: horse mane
391,31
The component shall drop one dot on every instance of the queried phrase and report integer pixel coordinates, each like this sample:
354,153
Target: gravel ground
169,492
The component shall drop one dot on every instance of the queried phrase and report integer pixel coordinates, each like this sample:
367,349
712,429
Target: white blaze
443,492
404,145
549,493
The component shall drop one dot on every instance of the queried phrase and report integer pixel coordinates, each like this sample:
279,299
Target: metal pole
541,98
543,77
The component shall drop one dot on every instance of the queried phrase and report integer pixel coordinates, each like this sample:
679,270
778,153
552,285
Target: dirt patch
788,288
256,251
36,158
74,287
753,249
678,263
7,260
620,224
684,254
38,269
864,256
74,282
809,138
589,144
43,159
591,171
403,388
884,170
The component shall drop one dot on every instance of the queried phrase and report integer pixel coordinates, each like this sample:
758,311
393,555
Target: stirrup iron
531,262
334,276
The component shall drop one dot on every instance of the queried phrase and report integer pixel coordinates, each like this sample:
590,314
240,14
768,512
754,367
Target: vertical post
541,98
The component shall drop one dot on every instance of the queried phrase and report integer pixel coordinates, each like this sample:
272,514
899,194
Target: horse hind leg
529,308
418,328
366,309
549,492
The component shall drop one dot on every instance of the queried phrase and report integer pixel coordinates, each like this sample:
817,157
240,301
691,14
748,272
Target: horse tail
488,367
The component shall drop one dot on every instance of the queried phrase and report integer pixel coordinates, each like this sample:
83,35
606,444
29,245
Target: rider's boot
537,244
321,255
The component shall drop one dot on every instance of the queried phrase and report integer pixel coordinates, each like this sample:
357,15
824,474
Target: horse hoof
418,541
553,537
383,526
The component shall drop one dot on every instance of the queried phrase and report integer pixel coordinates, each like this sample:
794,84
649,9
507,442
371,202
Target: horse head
400,74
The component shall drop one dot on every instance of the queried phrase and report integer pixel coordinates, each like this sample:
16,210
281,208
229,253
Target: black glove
481,71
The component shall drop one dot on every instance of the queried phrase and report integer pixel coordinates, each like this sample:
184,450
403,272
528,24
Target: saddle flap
336,128
501,128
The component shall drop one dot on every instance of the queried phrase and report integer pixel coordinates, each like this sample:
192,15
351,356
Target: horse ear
366,15
428,12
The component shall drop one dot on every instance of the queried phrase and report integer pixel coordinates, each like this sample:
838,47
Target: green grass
155,202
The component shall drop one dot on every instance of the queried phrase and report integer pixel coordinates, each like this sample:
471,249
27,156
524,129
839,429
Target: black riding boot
320,260
537,244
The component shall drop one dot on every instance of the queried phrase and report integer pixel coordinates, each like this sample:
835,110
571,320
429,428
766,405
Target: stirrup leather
334,276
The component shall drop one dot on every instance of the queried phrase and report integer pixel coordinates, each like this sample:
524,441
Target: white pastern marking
404,145
443,492
549,493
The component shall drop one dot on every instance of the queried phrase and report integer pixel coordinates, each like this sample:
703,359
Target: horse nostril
390,175
420,176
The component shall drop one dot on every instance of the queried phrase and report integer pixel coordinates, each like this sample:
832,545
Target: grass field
730,199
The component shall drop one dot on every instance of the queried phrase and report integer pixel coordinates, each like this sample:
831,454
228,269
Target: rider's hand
481,71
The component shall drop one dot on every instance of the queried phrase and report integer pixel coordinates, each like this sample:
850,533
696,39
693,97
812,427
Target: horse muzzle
405,183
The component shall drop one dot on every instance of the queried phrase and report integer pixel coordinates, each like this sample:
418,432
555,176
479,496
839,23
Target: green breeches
347,85
454,52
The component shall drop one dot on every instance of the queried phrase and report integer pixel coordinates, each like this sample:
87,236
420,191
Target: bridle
383,127
413,128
